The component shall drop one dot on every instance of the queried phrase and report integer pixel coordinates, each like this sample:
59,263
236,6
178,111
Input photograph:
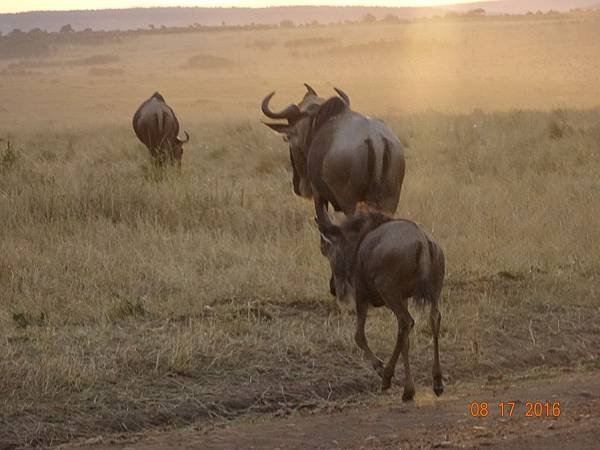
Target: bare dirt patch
428,423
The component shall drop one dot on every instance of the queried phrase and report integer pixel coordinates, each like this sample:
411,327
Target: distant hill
524,6
128,19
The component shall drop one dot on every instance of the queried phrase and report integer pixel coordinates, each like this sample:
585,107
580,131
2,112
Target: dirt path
428,423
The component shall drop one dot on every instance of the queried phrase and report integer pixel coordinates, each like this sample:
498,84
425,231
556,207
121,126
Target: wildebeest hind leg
361,338
405,325
435,319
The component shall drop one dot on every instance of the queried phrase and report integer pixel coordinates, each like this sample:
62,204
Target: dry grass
75,62
209,62
309,42
129,302
105,71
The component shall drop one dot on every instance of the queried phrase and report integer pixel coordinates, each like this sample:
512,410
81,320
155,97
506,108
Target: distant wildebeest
156,125
338,155
380,261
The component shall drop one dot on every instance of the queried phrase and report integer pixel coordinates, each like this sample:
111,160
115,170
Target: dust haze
131,302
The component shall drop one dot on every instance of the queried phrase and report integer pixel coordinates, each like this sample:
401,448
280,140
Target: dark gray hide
380,261
156,125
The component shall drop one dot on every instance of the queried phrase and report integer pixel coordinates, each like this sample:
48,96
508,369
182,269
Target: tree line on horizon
37,42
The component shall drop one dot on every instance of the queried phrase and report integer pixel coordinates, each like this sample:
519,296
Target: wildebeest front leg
323,205
435,319
361,338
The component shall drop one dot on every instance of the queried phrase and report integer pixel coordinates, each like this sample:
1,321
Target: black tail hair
424,291
372,176
387,160
375,185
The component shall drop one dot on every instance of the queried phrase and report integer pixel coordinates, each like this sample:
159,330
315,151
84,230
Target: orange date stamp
513,409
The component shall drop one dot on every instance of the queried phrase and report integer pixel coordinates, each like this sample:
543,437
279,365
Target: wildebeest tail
371,187
375,183
385,164
371,162
161,118
427,291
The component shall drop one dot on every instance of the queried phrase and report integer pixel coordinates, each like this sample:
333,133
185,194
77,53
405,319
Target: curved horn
290,113
344,96
311,90
187,138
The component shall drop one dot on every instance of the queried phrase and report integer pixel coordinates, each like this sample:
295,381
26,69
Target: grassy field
129,303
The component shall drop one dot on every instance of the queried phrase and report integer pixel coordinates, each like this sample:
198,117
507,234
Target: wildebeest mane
331,108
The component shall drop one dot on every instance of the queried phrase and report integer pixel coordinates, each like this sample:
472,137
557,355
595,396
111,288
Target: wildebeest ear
329,232
158,97
279,127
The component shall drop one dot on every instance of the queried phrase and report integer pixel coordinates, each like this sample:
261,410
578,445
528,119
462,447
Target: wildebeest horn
343,95
290,113
311,90
187,137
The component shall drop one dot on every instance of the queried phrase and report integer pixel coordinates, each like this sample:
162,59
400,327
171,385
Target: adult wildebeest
156,125
338,155
380,261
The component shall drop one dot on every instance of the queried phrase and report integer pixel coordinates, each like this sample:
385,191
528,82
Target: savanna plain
133,301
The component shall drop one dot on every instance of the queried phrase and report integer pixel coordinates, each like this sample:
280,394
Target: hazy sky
37,5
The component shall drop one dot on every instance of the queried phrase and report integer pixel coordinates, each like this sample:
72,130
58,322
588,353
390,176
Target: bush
287,24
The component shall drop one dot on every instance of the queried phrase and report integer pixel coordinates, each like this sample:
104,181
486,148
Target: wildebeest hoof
408,395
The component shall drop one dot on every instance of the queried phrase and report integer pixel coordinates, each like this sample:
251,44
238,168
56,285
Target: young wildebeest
156,125
380,261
